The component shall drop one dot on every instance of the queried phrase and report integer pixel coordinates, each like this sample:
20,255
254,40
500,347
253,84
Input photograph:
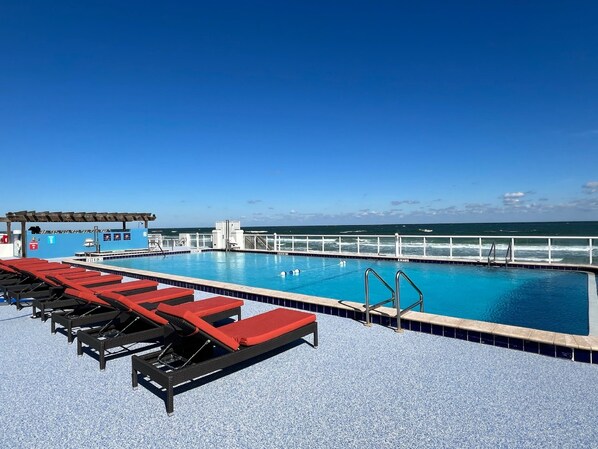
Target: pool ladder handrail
395,296
492,254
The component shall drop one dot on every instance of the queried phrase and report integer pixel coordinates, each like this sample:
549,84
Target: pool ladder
395,296
492,254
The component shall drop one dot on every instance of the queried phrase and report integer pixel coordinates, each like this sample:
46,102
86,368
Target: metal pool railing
572,250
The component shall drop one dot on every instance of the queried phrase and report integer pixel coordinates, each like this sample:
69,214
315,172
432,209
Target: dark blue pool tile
375,318
461,334
415,326
501,341
473,336
563,352
405,324
426,328
595,357
547,349
582,355
437,329
487,339
516,343
531,346
327,310
449,331
320,309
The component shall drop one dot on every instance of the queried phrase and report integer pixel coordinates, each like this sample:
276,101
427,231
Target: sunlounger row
108,317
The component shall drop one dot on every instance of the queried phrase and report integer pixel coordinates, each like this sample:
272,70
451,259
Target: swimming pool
541,299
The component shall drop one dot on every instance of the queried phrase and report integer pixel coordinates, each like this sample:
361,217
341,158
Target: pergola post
23,239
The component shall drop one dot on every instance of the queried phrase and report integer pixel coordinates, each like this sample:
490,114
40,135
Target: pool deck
362,387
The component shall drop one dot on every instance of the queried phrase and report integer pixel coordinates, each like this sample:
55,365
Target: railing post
307,243
340,244
549,250
400,246
480,245
358,242
396,244
322,243
450,247
591,250
378,246
424,247
512,249
398,301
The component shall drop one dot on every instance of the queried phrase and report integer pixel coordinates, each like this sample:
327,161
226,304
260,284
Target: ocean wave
353,232
426,230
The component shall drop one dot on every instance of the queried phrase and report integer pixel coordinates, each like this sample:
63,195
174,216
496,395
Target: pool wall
553,344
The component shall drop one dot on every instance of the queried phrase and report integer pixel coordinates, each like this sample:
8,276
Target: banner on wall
33,244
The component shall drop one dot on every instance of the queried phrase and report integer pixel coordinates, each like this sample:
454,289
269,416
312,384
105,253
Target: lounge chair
90,310
198,348
141,324
47,285
83,299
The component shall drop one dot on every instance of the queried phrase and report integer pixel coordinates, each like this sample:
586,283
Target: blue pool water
540,299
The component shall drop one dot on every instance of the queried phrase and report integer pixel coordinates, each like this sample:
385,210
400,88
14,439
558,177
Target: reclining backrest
131,306
85,295
200,326
70,283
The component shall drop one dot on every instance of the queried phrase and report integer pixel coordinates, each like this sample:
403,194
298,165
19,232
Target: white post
512,250
400,246
424,247
591,250
549,250
275,244
358,242
397,251
292,243
480,245
378,246
450,247
340,244
307,243
323,244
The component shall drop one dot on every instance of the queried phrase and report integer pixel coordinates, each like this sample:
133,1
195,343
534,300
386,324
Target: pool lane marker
592,304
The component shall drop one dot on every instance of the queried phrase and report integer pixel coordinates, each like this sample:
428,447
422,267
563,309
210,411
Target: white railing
527,249
159,242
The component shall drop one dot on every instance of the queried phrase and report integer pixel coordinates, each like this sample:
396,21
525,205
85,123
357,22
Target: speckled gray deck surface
362,388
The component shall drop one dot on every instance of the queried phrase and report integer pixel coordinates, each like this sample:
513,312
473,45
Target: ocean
573,251
565,228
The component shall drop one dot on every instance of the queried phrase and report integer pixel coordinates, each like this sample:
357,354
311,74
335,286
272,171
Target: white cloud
512,198
399,202
590,187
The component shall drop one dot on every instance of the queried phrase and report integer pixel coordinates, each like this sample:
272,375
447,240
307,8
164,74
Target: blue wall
65,245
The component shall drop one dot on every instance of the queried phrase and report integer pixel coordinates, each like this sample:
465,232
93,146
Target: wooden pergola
25,217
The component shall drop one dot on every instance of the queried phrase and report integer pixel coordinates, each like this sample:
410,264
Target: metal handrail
508,254
491,253
420,302
367,295
395,296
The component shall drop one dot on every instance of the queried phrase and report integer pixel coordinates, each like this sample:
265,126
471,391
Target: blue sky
307,112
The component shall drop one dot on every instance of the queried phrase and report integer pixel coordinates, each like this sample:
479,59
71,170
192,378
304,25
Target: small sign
33,245
127,236
51,239
107,237
116,236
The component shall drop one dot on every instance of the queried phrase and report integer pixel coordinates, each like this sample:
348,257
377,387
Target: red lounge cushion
202,308
136,307
125,286
213,332
90,282
70,283
163,294
266,326
85,295
74,273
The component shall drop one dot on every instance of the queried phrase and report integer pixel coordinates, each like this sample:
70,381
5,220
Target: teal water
540,299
